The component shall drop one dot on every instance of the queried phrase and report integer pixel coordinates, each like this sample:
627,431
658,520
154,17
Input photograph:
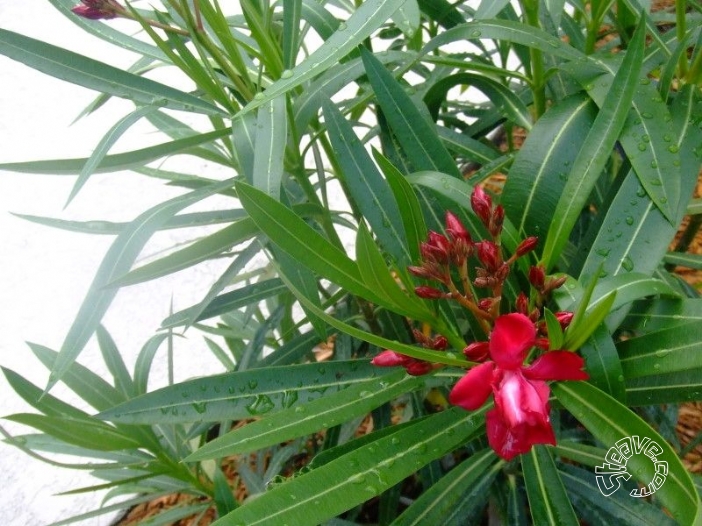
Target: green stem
680,27
538,84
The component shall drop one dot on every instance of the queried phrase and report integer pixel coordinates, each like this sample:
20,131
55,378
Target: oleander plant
468,218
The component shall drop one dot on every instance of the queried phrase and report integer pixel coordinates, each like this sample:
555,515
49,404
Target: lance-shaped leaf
304,419
242,394
328,490
540,168
457,496
93,74
506,31
671,388
271,139
226,302
634,234
648,136
610,421
370,191
117,161
596,150
369,16
548,500
670,350
290,232
119,258
417,136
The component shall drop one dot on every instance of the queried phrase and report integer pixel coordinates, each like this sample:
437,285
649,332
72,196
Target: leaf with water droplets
329,411
239,395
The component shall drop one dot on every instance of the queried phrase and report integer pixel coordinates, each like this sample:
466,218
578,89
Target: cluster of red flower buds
446,256
98,9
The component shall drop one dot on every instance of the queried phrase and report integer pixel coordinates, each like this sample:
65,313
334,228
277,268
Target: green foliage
349,130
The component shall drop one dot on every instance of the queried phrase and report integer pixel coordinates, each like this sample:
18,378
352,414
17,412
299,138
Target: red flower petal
471,391
513,335
521,401
557,365
508,442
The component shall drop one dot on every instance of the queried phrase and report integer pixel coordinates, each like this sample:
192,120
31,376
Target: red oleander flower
96,9
520,418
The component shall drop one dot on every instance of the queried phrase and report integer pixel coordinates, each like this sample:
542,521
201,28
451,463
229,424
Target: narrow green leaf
289,232
368,17
83,432
371,193
328,490
104,146
227,302
467,147
114,361
673,388
670,350
377,277
616,508
548,500
693,261
458,495
292,13
116,262
92,74
506,31
448,358
610,421
223,495
418,138
331,410
407,202
241,394
602,363
407,18
596,149
199,251
641,233
540,168
554,330
648,137
115,162
271,139
89,386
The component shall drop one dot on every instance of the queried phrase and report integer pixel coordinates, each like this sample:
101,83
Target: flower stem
680,26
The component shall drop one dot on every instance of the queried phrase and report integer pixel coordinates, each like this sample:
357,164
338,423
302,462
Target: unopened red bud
527,246
485,304
439,343
564,318
477,351
522,303
489,255
555,283
420,272
455,229
428,293
482,205
484,281
97,9
502,272
496,221
534,315
542,343
418,368
419,337
537,276
390,359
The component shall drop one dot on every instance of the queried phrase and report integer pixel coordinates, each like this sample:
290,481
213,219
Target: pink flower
520,418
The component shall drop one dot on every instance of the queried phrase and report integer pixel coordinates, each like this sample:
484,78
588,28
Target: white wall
44,273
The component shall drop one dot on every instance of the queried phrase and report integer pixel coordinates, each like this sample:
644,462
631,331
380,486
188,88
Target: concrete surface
46,272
